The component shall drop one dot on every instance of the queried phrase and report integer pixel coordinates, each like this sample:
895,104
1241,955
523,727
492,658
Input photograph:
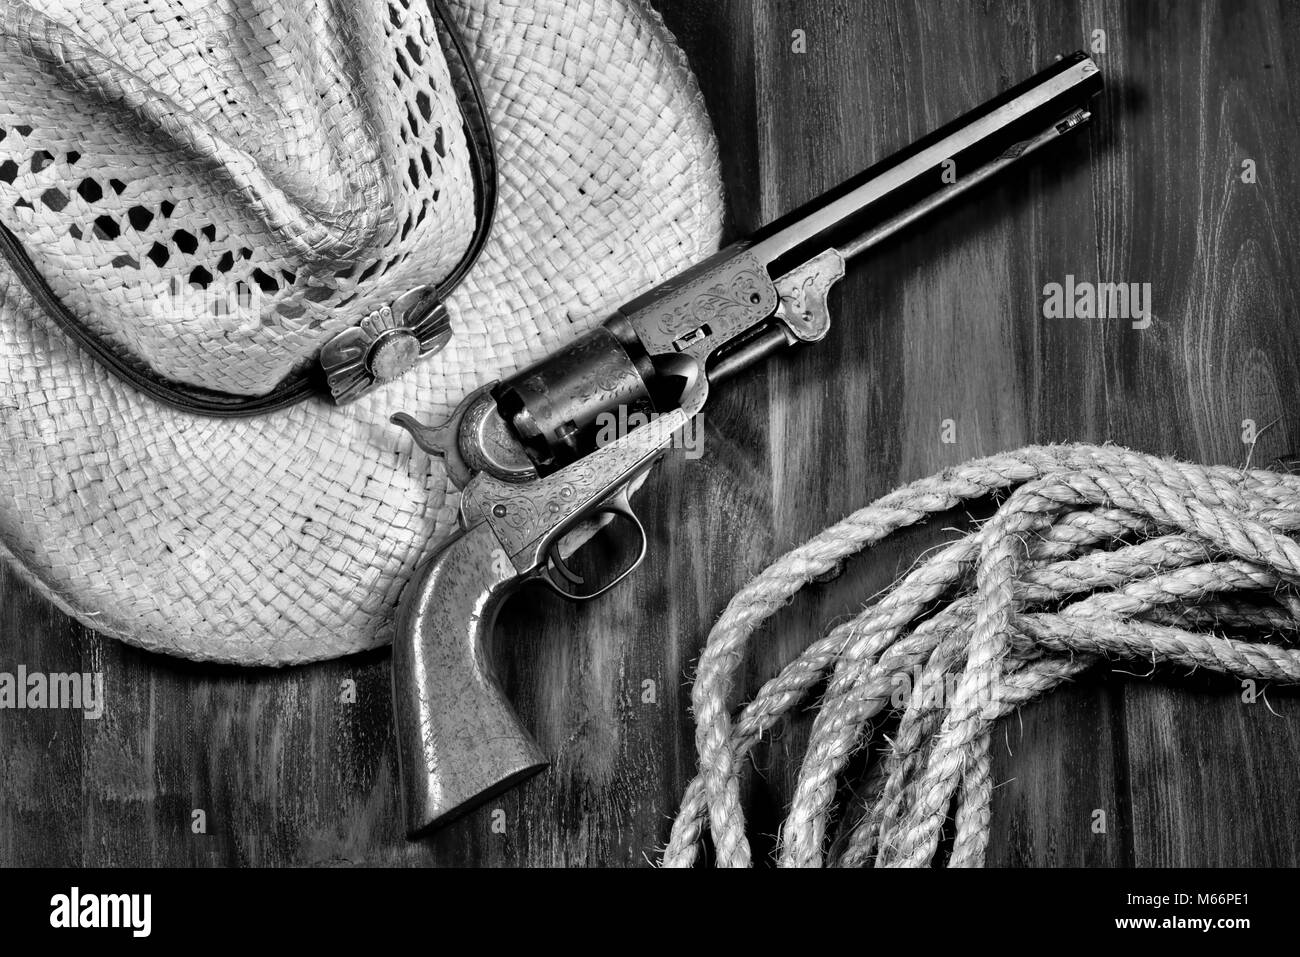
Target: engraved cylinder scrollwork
556,407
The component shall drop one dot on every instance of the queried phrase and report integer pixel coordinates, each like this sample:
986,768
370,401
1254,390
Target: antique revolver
527,451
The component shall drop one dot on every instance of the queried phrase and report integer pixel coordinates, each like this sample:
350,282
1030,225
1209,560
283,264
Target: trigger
569,574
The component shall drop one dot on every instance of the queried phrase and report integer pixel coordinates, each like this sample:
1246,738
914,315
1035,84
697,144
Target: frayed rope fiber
1096,553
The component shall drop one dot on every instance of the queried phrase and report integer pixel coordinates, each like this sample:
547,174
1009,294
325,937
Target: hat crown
215,188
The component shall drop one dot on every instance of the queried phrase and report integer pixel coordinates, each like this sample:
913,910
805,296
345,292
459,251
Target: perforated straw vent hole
140,218
318,293
265,283
416,53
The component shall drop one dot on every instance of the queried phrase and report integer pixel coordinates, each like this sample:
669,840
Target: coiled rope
1095,554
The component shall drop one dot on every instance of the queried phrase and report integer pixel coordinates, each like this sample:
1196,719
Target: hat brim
288,538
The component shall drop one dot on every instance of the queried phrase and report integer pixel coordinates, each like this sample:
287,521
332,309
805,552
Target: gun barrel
879,233
935,168
663,349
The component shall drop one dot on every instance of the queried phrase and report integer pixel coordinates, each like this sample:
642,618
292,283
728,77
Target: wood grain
944,324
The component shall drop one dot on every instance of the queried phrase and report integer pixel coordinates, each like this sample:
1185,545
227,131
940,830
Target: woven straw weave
288,538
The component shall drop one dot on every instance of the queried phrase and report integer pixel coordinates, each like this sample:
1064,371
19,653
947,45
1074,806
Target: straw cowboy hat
240,234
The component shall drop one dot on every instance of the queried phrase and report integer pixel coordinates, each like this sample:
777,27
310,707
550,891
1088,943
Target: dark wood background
946,324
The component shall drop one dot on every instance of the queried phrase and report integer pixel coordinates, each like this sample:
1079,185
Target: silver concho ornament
385,345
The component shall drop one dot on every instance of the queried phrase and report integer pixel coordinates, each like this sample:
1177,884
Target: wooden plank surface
945,324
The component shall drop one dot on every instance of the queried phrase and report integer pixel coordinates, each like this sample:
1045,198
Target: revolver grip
459,741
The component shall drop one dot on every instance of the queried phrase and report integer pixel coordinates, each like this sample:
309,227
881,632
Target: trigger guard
609,511
582,532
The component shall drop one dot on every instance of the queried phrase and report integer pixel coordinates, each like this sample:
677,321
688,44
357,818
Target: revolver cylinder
556,407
